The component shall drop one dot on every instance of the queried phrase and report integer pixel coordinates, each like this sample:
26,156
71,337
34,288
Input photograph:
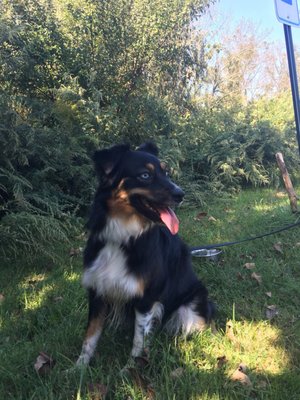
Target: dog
134,260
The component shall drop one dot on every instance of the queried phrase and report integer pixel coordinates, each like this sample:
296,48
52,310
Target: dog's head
138,183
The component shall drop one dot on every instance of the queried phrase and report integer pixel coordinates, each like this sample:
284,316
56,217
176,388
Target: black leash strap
218,245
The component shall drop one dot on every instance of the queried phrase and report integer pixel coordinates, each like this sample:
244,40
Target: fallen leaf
142,383
212,219
229,331
256,277
297,244
177,373
240,376
242,367
269,294
221,361
43,364
1,298
97,391
240,277
249,266
201,215
271,312
278,247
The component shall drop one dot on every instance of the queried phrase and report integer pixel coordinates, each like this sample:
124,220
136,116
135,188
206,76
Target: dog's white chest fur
109,274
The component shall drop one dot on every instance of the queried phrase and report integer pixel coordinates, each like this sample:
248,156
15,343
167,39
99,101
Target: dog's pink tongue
169,218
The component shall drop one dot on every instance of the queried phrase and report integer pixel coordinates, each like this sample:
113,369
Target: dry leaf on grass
278,247
43,364
239,375
229,331
1,298
221,361
97,391
271,312
256,277
242,367
269,294
212,219
201,215
249,266
240,276
142,383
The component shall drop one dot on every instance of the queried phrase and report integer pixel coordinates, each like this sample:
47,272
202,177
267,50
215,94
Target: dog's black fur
134,260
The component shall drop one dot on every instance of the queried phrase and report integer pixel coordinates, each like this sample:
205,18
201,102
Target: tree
75,75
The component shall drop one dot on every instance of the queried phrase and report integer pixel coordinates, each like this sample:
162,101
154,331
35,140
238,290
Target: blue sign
287,12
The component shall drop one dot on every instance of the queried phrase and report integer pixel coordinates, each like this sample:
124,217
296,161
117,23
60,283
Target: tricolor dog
134,260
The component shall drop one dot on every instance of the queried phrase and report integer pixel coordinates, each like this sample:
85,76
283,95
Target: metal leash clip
209,253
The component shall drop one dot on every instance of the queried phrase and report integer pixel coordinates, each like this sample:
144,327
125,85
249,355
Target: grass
43,309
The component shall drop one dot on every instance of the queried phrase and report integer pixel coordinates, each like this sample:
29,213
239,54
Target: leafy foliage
242,153
75,76
78,75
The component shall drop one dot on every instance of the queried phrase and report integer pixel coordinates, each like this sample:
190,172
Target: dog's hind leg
144,323
97,315
195,316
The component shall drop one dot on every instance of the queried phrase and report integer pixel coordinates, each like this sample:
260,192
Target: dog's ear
149,147
106,160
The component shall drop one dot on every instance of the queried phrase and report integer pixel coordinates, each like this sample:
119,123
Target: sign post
288,14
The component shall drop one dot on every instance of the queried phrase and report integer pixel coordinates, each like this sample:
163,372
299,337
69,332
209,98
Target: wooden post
287,182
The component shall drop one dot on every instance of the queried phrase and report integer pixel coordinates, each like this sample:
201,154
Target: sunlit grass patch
45,310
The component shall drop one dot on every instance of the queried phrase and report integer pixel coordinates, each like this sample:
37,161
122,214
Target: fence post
287,182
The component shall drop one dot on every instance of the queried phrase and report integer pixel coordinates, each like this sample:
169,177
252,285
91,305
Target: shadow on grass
44,309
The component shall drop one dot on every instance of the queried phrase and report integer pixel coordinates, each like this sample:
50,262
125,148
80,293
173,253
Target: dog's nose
178,194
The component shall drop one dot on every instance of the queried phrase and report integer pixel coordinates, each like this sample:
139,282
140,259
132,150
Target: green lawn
43,309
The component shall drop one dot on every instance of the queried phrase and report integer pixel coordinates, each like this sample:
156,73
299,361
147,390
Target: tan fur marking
141,287
151,167
120,207
95,325
143,192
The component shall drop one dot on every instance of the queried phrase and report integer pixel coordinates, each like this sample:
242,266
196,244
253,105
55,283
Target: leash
210,250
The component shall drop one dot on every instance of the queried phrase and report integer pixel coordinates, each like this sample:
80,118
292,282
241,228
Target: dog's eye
145,176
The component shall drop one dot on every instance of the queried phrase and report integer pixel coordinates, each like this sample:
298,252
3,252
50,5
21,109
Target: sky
260,12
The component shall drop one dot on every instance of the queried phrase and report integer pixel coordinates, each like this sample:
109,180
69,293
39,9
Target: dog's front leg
144,322
96,319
